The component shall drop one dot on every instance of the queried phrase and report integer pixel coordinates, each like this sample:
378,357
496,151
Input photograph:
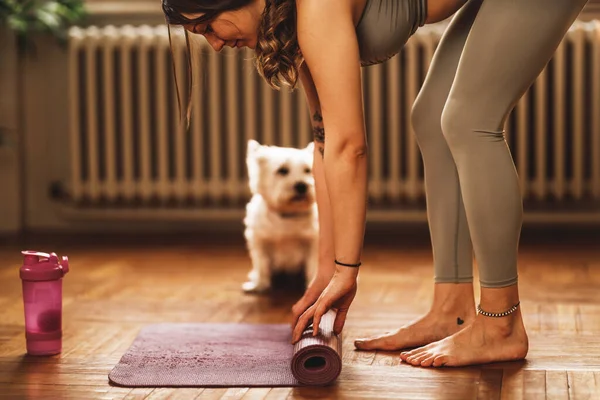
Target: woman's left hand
338,294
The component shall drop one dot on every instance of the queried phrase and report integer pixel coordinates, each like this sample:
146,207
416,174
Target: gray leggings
489,56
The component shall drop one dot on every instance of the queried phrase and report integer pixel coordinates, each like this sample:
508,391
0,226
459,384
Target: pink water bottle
42,275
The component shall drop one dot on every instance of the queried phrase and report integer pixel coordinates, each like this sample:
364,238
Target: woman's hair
278,55
277,52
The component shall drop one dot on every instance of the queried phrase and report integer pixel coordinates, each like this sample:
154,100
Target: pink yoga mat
229,355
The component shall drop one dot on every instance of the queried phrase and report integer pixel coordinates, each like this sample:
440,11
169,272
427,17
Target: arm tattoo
317,117
319,131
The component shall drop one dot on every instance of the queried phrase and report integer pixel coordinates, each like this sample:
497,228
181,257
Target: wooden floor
114,290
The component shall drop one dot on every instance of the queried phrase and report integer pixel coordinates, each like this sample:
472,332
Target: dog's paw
253,287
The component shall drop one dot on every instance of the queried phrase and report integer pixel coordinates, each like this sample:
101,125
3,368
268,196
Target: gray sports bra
386,25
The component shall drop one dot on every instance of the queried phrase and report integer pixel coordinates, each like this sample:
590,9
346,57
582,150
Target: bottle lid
38,266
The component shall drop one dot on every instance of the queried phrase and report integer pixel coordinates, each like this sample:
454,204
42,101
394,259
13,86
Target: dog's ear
255,152
252,148
310,148
254,157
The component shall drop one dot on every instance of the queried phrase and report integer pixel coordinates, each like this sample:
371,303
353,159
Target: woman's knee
425,119
460,121
418,115
463,121
452,122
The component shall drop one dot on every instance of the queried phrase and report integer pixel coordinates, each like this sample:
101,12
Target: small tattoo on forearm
319,134
459,321
319,131
317,116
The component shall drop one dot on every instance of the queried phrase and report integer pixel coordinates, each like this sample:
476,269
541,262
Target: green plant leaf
48,19
17,23
54,16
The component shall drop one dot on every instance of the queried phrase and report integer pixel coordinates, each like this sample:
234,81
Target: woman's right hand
312,293
338,295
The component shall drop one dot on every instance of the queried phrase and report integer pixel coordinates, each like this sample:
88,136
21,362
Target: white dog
281,223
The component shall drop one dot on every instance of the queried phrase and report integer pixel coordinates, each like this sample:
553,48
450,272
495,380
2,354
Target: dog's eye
283,171
307,170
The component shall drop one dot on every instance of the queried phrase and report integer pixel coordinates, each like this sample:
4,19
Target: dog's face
282,176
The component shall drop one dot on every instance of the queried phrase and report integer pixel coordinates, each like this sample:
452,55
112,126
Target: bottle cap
38,266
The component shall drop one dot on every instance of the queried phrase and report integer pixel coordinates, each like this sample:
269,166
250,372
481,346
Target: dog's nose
300,187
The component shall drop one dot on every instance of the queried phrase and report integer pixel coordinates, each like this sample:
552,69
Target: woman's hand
338,294
311,294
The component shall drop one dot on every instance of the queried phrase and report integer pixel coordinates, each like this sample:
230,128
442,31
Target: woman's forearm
340,173
345,167
326,249
326,245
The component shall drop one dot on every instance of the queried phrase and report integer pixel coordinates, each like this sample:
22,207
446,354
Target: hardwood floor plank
512,384
256,394
37,391
212,394
117,393
138,394
490,384
583,385
234,393
534,385
557,386
278,394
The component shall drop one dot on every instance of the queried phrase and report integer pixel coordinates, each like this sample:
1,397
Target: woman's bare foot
486,340
452,310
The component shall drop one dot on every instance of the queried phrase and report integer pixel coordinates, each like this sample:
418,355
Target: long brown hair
277,52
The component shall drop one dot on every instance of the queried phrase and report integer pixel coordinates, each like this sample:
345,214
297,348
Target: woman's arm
327,38
326,251
326,266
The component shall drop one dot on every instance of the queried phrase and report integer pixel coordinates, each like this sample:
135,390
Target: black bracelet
348,265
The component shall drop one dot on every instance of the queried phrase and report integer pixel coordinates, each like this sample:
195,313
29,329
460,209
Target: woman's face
237,28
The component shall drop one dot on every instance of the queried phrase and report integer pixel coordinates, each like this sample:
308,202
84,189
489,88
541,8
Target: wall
46,130
10,196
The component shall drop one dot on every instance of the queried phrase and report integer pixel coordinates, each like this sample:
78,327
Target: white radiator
130,154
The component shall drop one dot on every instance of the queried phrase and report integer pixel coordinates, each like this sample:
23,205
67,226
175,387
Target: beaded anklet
496,315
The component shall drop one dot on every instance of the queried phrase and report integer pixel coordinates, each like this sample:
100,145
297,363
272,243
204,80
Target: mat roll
229,355
317,359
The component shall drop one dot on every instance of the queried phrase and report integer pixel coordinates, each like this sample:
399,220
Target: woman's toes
416,354
418,359
440,361
427,361
411,354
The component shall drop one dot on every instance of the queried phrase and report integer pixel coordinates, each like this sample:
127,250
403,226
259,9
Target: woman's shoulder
351,8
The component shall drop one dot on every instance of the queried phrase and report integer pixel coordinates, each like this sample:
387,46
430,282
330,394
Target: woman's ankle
499,300
452,297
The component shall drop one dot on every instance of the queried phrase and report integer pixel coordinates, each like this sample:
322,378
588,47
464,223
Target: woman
490,54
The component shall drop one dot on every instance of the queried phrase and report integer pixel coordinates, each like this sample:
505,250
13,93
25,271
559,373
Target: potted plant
24,17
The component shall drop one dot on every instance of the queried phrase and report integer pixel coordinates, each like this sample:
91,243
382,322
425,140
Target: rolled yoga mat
230,355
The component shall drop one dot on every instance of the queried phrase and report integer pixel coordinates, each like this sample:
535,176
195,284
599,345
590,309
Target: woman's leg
508,46
453,301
